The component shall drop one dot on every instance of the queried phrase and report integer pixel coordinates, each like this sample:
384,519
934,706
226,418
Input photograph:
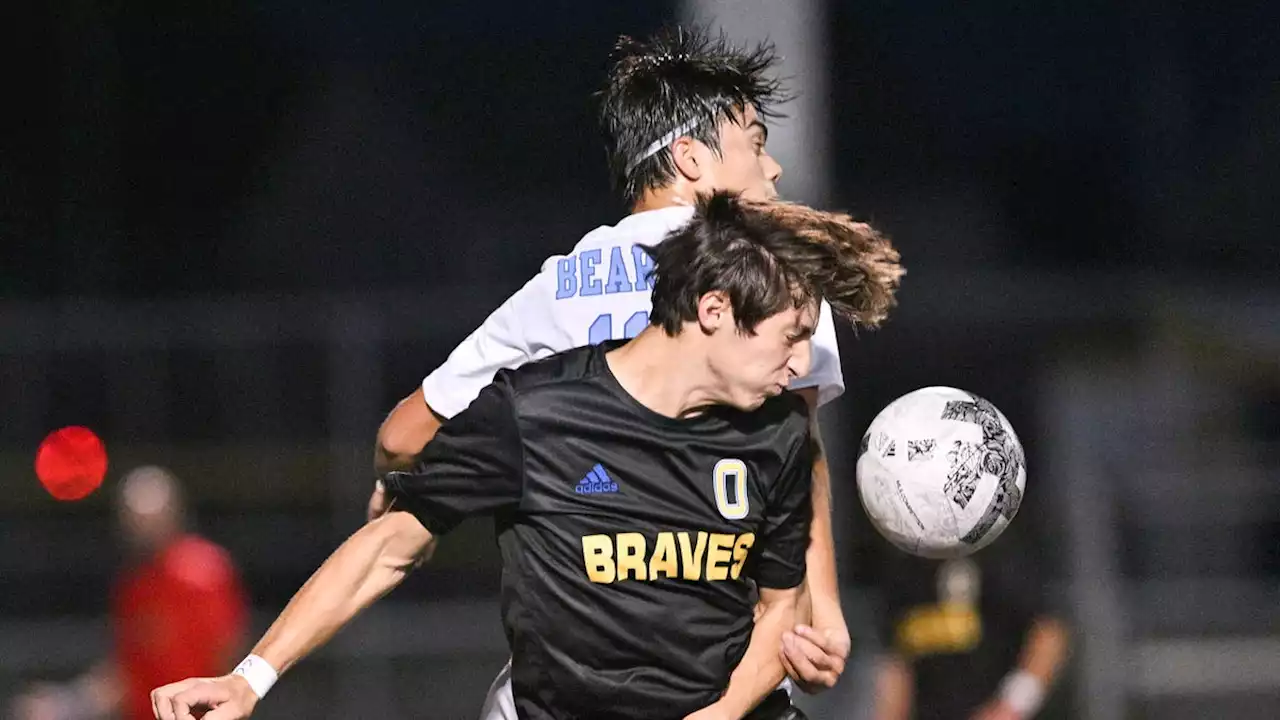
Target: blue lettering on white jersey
579,275
597,292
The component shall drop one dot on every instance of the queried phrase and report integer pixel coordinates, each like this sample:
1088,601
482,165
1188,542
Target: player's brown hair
771,255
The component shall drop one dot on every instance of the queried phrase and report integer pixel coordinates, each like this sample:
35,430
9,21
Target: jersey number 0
729,479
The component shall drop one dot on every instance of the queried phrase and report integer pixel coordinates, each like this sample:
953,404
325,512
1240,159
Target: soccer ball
941,472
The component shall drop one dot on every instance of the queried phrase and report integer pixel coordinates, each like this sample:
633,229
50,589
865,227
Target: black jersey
630,541
960,623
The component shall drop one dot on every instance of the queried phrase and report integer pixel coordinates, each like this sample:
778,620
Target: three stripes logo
596,482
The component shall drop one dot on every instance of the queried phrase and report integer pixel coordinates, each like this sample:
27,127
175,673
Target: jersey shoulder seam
515,421
527,386
802,434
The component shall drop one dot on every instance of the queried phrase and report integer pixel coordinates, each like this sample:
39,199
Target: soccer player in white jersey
683,114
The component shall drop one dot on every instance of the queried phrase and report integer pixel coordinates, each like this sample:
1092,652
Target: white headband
660,143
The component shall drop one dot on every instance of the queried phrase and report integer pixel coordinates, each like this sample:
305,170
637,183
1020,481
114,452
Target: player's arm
819,646
410,426
1023,690
1045,650
895,689
777,564
1015,579
760,670
473,466
406,431
502,341
367,566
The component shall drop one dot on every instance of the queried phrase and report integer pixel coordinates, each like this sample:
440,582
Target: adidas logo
596,481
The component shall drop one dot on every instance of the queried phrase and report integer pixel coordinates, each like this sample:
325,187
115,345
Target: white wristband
1023,692
259,673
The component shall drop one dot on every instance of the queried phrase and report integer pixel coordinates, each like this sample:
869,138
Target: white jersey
597,292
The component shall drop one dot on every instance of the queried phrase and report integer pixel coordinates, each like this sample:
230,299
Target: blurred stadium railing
1164,453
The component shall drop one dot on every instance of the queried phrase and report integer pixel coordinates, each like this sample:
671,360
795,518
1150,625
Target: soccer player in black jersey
645,491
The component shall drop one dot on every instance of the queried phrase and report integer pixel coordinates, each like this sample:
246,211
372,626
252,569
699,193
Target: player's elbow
780,602
1053,627
404,433
401,540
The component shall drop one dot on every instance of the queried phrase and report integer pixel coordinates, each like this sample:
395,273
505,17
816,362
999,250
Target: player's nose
801,359
772,170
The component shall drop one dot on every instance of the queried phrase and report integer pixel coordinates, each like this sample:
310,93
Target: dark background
202,148
193,194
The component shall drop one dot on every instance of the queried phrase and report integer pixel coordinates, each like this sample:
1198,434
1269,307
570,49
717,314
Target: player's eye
797,336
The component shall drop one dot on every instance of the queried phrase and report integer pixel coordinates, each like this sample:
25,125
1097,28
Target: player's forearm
894,689
1023,690
761,669
1045,650
385,460
821,579
367,566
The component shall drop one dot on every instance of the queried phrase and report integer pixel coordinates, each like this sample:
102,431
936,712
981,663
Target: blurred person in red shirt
178,609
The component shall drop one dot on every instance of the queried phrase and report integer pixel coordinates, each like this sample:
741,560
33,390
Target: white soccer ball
941,472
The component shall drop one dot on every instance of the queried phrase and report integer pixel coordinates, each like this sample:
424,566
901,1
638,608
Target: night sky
277,147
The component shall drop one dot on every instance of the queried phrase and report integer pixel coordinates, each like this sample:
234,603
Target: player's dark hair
771,256
685,81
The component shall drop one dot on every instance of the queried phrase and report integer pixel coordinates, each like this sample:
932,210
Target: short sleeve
825,373
517,332
784,536
473,465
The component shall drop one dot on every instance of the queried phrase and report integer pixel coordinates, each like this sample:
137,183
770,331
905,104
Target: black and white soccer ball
941,472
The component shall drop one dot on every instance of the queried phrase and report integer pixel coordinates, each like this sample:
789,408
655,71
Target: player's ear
714,311
687,155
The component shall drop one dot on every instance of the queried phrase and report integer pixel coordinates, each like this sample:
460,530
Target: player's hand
225,698
996,710
378,502
814,659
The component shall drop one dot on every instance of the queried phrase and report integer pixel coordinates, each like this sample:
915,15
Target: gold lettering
719,556
740,550
691,558
664,557
631,547
939,629
597,553
626,556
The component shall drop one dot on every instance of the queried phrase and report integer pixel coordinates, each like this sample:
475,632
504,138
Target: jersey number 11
602,327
